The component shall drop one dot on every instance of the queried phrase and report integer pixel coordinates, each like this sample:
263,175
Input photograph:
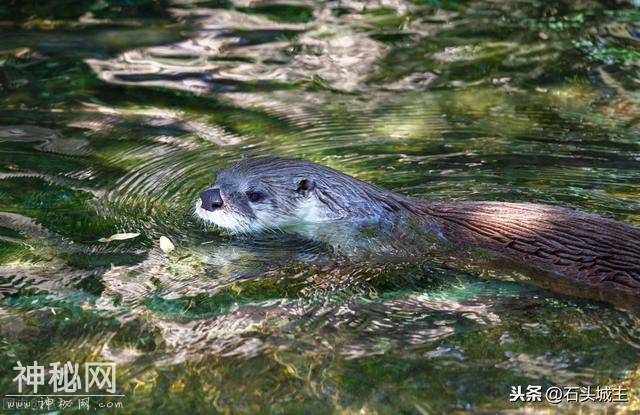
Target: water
116,114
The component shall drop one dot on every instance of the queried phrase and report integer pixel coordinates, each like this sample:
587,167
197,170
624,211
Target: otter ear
305,186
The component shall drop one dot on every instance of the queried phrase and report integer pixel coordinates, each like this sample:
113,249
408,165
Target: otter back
585,247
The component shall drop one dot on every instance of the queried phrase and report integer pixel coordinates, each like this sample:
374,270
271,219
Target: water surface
114,115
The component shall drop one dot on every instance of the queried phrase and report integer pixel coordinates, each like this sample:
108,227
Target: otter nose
211,199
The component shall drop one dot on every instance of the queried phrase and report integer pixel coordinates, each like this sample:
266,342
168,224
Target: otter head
272,192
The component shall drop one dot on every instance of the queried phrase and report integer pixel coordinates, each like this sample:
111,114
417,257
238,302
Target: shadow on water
116,114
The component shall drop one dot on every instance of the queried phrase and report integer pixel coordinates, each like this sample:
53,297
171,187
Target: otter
266,193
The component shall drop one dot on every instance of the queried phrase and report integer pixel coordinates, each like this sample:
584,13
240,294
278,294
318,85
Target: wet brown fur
586,248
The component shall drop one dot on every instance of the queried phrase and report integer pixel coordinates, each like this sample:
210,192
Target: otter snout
211,199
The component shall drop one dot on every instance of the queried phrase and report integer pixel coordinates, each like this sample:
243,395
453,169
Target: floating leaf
119,237
166,245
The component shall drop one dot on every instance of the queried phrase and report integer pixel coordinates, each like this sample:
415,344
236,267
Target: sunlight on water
115,116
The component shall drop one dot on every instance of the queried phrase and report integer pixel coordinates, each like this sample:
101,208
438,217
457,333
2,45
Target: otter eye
255,196
305,186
